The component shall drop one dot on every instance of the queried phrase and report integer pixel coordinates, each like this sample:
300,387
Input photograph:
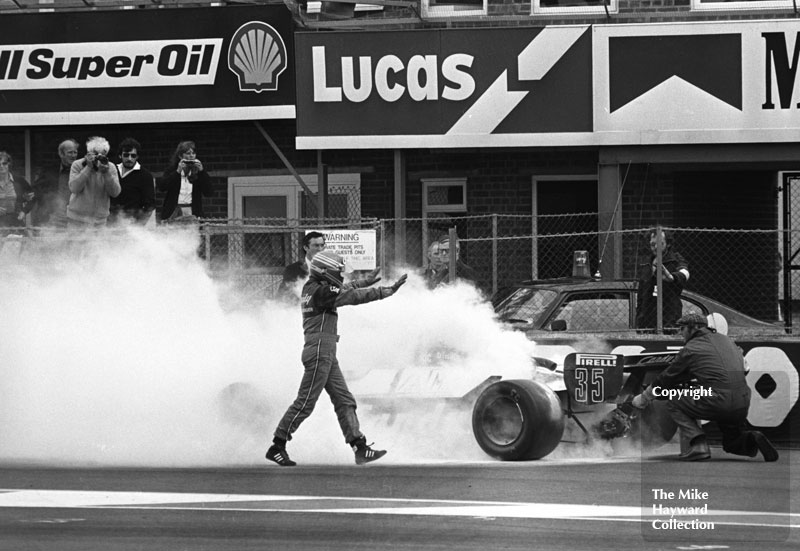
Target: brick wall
224,147
515,13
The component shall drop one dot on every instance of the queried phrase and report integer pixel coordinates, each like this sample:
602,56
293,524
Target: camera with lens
100,159
190,167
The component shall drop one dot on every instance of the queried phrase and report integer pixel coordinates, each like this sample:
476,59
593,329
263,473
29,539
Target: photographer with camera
185,182
92,183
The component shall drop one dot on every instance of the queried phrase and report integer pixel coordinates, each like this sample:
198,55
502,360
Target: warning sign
357,247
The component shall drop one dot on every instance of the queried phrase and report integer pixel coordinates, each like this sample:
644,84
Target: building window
453,8
550,7
444,195
316,7
442,200
722,5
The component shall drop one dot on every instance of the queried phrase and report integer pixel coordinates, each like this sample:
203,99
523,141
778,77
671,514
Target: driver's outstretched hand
399,283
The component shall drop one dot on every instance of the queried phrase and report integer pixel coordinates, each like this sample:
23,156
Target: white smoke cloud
126,352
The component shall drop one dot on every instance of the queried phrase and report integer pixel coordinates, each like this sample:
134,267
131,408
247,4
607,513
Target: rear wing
597,378
651,361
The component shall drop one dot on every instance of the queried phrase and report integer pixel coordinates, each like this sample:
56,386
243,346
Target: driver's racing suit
319,301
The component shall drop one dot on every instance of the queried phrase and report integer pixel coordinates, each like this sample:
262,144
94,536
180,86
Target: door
563,205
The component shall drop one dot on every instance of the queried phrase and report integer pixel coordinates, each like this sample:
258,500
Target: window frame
451,11
427,183
315,7
538,9
591,296
753,5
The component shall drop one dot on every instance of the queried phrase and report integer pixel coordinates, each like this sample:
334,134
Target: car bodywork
524,419
584,305
563,397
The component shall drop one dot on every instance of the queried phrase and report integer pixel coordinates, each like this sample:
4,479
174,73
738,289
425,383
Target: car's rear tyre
517,419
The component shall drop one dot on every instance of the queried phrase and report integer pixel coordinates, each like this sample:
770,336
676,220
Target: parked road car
583,305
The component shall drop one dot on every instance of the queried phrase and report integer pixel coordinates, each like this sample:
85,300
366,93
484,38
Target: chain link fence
500,247
742,269
251,254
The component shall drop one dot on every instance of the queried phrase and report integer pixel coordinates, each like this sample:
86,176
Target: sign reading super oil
119,66
138,63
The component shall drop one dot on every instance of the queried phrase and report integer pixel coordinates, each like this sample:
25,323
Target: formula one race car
526,419
583,398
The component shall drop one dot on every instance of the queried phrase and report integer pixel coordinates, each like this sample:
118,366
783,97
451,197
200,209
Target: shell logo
257,56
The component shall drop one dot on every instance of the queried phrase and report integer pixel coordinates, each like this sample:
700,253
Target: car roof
578,283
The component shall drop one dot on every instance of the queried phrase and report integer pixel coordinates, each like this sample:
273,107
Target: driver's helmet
327,266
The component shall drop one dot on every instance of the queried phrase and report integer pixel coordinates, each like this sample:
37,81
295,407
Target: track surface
553,505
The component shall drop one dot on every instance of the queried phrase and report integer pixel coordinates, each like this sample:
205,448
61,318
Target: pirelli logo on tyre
110,64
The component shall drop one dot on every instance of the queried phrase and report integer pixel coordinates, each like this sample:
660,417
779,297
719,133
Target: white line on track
69,499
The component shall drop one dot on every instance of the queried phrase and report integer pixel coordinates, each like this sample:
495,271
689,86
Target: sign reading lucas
571,85
455,83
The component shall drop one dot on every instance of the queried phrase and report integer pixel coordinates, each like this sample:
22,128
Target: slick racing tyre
517,419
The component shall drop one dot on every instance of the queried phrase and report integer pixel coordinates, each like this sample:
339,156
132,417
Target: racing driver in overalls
324,292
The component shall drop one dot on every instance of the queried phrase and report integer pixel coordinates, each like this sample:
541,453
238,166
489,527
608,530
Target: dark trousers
727,408
322,372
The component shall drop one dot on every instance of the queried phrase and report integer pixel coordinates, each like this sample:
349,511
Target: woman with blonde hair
16,195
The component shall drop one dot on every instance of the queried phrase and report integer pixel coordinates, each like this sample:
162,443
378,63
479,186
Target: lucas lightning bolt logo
533,64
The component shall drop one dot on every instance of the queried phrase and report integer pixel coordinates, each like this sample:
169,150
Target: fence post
453,236
400,206
787,253
382,247
494,254
207,239
659,282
